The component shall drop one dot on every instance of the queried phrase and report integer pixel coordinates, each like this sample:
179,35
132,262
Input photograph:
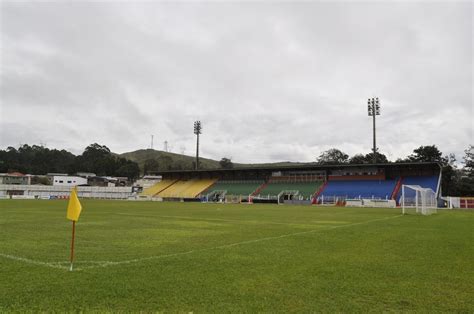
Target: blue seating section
423,181
379,189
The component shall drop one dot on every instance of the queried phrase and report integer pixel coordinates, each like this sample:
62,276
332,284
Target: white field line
30,261
136,260
226,220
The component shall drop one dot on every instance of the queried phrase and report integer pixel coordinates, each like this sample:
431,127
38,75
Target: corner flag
73,211
74,207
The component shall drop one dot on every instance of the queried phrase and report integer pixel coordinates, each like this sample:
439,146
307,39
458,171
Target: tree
39,160
10,160
469,161
179,164
165,162
450,176
368,158
96,151
36,160
466,177
426,154
226,163
150,166
381,158
130,170
332,156
97,159
358,159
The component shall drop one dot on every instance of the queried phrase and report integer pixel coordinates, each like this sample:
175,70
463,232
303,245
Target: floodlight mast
373,108
197,131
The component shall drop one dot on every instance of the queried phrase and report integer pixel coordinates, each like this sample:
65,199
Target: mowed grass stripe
233,220
404,264
98,228
136,260
225,246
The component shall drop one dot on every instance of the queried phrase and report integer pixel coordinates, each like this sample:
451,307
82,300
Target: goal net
235,199
422,200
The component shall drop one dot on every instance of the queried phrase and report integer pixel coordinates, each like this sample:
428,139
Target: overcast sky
269,81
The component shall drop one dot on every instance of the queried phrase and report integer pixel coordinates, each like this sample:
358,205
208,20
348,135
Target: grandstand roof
311,166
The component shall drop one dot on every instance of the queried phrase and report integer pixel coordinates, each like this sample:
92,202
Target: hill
156,160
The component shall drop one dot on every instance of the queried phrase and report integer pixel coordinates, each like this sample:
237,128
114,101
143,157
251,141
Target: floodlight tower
197,131
373,108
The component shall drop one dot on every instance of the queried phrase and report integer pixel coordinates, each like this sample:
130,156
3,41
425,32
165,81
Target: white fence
460,202
48,191
379,203
369,202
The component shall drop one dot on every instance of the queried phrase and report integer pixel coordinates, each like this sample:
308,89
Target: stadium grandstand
303,184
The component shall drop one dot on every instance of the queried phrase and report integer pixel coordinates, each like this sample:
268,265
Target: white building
86,175
68,181
148,181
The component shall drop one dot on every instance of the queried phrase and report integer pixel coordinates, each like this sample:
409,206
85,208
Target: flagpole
72,242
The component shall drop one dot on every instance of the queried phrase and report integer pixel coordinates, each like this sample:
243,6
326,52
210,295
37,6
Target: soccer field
192,257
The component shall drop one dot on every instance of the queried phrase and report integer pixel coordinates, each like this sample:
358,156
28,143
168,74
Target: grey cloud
269,81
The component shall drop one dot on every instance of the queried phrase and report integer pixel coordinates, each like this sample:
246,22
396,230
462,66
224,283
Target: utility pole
197,131
152,141
373,108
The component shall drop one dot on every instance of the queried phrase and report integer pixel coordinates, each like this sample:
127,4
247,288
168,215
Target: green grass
183,257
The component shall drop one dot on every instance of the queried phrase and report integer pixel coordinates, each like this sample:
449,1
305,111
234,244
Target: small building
107,181
121,181
148,181
86,175
16,178
68,181
51,175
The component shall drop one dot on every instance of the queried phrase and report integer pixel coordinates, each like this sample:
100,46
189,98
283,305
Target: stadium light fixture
373,109
197,131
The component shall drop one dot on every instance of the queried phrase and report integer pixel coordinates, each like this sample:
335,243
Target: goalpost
234,199
423,200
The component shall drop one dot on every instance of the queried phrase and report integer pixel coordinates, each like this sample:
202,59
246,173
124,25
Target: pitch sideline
30,261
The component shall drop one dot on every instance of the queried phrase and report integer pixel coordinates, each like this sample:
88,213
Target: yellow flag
74,207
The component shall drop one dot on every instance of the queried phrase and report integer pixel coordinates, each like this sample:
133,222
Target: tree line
39,160
455,181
